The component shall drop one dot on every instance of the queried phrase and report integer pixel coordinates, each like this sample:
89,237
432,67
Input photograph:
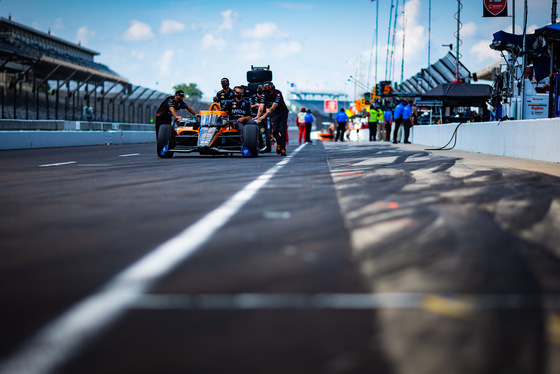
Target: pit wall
23,134
537,139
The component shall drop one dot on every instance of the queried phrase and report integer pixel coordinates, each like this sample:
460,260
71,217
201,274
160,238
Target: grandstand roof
440,72
25,50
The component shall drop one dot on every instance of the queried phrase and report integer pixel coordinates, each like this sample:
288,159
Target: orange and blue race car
214,135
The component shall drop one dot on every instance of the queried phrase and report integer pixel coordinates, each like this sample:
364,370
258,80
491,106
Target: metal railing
104,101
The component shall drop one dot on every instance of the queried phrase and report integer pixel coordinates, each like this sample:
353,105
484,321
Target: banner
330,106
495,8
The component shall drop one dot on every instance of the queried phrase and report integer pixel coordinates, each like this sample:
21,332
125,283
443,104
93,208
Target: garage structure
45,77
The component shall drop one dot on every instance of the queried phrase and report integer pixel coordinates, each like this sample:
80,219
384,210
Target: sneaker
283,152
277,149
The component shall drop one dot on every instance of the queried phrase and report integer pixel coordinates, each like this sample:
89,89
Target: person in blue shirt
341,118
308,124
407,121
398,116
388,118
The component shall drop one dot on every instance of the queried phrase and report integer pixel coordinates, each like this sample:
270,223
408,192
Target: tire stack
256,76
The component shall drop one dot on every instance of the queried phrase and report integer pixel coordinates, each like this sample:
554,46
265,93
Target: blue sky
316,44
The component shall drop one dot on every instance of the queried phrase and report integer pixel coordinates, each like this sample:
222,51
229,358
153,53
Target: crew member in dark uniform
275,107
169,108
225,94
239,110
256,99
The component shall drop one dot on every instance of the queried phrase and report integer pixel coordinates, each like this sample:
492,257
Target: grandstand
45,77
440,72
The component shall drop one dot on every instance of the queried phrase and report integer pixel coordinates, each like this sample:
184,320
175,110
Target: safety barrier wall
537,139
22,134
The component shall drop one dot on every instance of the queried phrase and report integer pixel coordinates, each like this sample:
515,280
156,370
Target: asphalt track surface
346,257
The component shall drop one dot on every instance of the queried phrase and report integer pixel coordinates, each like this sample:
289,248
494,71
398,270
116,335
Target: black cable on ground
505,118
452,136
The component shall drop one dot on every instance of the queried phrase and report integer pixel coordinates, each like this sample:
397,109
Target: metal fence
82,101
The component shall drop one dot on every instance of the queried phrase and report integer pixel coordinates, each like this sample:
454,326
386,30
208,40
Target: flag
494,8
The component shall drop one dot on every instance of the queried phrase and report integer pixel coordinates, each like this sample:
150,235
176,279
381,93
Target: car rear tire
164,141
251,139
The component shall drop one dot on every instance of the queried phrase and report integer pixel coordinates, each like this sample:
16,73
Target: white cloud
483,52
531,29
288,49
252,50
229,17
469,29
58,24
84,35
138,31
165,61
415,38
138,55
294,6
169,26
519,30
209,41
267,30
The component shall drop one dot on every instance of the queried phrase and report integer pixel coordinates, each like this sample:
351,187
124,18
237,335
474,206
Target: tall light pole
524,72
429,41
403,40
458,44
376,44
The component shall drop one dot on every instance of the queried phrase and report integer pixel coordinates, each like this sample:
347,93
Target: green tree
191,91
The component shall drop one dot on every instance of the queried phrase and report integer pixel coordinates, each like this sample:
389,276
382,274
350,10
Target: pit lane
339,220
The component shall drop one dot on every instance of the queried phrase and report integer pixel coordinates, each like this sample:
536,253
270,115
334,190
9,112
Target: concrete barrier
537,139
24,134
49,139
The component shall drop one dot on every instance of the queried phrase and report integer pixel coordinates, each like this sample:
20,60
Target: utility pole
403,39
524,71
458,36
552,81
513,18
376,38
429,42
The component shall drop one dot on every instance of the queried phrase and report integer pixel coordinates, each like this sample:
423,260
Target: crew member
278,114
407,121
300,122
256,99
239,110
169,108
225,94
372,122
380,124
388,117
398,116
341,119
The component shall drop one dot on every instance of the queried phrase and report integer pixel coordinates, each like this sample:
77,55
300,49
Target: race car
214,135
327,131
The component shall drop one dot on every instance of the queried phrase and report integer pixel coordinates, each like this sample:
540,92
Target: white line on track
130,155
58,164
348,301
64,337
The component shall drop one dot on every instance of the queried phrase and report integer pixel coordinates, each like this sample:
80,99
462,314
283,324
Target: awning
551,32
460,94
513,43
460,90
